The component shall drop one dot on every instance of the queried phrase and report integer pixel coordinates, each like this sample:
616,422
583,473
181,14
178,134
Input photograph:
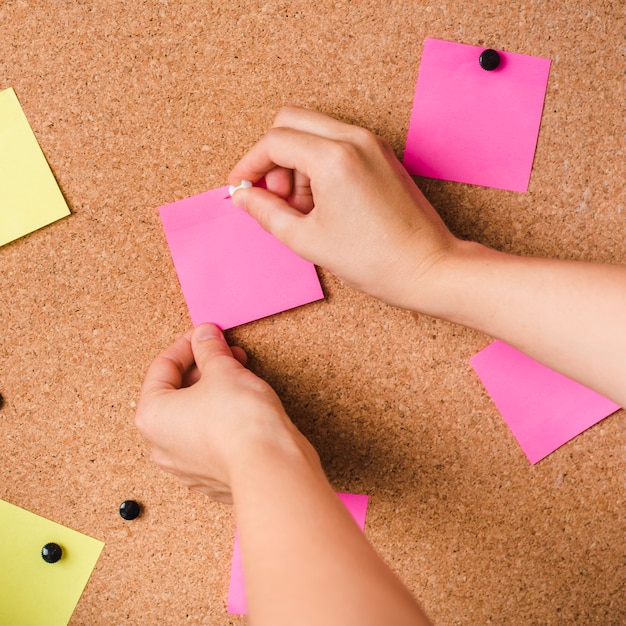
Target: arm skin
223,431
305,559
569,315
338,196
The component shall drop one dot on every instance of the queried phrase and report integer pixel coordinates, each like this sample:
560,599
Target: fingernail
245,184
207,331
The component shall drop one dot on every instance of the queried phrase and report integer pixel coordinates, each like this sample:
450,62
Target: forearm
569,315
305,559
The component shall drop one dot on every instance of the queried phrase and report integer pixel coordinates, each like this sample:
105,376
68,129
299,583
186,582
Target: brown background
137,104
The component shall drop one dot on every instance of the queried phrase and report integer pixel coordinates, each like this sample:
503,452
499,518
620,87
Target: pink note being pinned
470,125
355,503
231,271
543,408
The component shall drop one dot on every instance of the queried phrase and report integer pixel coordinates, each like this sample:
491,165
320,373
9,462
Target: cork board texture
137,104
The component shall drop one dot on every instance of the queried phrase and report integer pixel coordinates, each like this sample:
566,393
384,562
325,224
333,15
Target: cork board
140,104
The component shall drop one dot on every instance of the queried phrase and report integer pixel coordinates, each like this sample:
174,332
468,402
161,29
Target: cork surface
136,104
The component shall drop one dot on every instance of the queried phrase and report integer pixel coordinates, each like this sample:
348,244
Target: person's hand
337,195
204,412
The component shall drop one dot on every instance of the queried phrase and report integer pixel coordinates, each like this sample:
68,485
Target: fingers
308,143
311,122
284,147
282,156
169,369
176,366
294,186
273,213
302,196
239,354
208,344
194,375
299,144
279,181
324,127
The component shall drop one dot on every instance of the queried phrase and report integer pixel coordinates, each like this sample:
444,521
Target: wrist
445,289
281,447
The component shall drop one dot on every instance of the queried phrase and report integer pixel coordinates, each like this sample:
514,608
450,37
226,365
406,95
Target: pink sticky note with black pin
473,122
232,271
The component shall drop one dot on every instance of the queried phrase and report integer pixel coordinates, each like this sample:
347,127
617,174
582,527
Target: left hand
204,412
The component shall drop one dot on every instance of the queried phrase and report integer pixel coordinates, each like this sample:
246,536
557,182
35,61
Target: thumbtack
245,184
129,509
51,552
489,59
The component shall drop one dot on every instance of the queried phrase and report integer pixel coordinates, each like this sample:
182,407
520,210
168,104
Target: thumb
208,343
272,212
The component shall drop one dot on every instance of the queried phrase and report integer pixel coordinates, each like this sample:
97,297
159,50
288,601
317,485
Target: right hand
337,195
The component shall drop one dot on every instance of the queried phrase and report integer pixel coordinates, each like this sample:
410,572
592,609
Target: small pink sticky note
232,271
470,125
543,408
355,503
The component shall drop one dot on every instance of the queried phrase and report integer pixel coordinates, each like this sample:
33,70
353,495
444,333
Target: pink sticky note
473,126
355,503
543,408
232,271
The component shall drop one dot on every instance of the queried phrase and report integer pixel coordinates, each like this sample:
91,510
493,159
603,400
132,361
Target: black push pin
1,400
51,552
129,509
489,59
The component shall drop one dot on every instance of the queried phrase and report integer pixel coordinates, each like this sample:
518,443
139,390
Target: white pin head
245,184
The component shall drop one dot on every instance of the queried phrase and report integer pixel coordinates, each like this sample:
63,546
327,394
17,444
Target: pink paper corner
543,408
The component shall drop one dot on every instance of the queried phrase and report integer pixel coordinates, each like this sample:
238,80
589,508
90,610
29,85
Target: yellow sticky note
30,197
33,592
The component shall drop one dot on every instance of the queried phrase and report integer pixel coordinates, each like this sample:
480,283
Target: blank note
231,271
30,197
543,408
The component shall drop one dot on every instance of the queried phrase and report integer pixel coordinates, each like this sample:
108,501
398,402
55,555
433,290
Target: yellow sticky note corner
33,592
30,197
